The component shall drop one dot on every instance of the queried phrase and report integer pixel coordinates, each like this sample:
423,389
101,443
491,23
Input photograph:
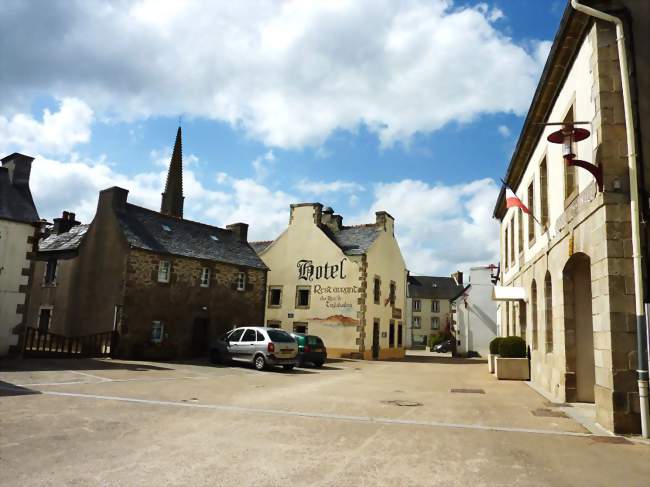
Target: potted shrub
512,363
494,353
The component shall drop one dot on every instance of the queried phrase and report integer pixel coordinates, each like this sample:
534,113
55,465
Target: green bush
435,339
494,345
512,347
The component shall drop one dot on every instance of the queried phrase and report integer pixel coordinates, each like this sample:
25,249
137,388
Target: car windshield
279,336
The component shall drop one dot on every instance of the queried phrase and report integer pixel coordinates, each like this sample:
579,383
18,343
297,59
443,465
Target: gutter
641,325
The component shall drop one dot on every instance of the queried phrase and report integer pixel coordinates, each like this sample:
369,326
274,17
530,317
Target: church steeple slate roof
172,198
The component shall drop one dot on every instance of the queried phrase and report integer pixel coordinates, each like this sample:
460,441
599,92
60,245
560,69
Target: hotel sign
307,271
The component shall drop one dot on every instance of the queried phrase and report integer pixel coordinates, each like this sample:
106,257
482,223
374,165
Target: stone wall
182,302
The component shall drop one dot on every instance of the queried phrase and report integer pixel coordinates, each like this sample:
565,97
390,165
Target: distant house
475,313
346,284
167,285
19,226
428,306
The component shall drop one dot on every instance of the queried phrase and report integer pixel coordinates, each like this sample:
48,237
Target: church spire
172,198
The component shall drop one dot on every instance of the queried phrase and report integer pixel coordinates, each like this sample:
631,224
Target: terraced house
167,285
346,284
568,278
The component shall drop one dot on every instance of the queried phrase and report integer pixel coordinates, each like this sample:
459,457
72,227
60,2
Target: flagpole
529,210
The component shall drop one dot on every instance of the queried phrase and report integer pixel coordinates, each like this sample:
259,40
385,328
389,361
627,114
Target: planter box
511,368
492,357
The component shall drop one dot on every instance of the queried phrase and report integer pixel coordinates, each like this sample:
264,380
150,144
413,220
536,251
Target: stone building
568,277
344,284
475,313
19,227
428,307
166,284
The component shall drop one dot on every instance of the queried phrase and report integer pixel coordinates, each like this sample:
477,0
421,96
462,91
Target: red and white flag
512,201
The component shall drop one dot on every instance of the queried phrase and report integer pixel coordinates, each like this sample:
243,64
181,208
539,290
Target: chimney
332,221
306,214
384,219
113,198
65,223
458,277
240,230
19,166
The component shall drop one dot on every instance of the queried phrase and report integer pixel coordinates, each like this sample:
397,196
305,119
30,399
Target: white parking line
106,381
103,379
336,417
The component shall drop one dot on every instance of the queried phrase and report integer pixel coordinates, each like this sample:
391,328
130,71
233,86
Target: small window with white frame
205,277
241,281
435,306
164,270
435,323
417,322
417,305
157,331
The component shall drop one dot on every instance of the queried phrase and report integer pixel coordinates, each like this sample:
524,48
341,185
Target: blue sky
413,109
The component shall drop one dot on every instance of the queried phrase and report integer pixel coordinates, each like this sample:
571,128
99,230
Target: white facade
476,313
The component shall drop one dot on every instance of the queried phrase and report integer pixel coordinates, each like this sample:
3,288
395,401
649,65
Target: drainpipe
641,327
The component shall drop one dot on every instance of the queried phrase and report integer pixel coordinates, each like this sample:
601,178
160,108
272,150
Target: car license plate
286,351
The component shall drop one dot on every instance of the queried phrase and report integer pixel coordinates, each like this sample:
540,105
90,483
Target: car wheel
318,364
288,367
259,362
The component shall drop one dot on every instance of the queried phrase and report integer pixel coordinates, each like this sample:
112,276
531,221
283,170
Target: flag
513,201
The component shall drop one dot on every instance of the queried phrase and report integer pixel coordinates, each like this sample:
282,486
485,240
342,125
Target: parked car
311,349
444,347
258,345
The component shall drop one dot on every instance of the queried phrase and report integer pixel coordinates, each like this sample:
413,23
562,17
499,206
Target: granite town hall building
166,284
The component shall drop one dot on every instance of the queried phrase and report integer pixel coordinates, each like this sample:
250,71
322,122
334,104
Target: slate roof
16,202
145,229
431,287
67,241
261,245
356,240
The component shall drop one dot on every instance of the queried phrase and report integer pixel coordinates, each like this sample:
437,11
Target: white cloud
261,165
318,188
441,228
56,133
504,131
288,73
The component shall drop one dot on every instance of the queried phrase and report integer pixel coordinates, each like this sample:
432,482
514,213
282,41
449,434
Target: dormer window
214,237
166,228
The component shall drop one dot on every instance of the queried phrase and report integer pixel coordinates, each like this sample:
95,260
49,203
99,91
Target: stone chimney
19,167
240,230
458,277
332,221
306,214
113,198
385,220
65,223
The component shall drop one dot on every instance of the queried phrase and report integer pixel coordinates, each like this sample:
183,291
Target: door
375,340
199,337
247,345
232,343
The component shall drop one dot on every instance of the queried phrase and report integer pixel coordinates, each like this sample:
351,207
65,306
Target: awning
508,293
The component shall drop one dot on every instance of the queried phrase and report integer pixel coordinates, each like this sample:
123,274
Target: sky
411,107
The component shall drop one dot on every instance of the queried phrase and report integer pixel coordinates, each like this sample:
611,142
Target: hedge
512,347
435,339
494,345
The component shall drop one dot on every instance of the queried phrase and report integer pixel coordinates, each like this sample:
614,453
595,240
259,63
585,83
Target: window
241,281
512,241
570,183
543,192
249,336
273,324
505,246
280,336
235,335
302,296
435,323
399,334
533,311
417,305
166,228
531,207
157,329
435,306
44,320
214,237
259,337
391,295
376,290
205,277
520,232
300,327
49,278
164,268
391,334
548,312
417,322
275,296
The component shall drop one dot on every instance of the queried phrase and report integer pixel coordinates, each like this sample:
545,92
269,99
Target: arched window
548,312
533,306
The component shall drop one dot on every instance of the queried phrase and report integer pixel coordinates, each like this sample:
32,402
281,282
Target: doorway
579,330
200,337
375,339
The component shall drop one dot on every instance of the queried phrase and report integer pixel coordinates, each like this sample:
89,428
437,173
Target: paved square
104,422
